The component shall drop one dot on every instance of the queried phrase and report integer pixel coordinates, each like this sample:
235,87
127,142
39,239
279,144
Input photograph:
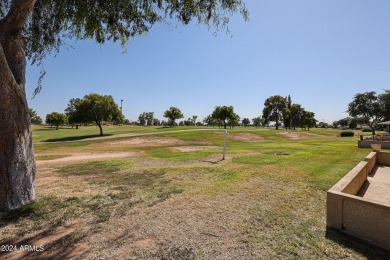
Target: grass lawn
170,196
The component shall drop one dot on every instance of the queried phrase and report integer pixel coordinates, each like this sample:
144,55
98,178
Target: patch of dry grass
157,203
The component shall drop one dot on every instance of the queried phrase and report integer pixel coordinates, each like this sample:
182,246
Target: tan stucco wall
371,160
383,159
361,217
334,210
353,181
367,144
350,184
368,221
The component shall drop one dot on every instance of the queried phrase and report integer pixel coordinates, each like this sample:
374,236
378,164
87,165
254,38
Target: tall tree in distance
308,120
210,121
149,118
73,113
194,119
287,113
234,120
172,114
246,122
257,121
146,118
35,28
56,119
296,115
273,109
367,105
99,108
225,114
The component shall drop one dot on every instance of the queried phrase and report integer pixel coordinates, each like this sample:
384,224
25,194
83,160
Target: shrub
347,133
366,130
344,128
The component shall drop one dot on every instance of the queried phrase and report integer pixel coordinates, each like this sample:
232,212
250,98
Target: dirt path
127,135
79,157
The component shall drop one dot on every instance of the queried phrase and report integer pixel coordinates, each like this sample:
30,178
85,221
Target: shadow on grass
48,128
364,248
213,161
57,243
16,214
74,138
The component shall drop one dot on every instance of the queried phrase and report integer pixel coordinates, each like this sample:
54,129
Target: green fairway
266,200
50,134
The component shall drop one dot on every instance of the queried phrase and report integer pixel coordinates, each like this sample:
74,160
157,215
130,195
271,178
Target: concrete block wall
355,215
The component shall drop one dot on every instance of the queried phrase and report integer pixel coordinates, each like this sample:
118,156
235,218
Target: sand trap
192,148
298,135
246,137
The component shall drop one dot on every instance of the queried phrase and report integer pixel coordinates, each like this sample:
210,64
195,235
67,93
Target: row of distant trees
95,108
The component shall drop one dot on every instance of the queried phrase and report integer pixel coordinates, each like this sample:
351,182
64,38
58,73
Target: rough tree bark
17,163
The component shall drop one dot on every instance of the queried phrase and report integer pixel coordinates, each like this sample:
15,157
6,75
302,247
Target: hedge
347,133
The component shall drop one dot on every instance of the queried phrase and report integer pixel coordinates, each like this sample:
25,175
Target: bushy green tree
246,122
172,114
234,120
74,116
98,109
56,119
257,121
210,121
352,124
156,122
146,118
273,109
225,114
369,106
308,121
296,115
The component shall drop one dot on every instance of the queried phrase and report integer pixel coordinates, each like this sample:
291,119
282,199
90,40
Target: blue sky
320,52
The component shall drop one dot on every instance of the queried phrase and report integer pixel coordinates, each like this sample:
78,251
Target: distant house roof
384,123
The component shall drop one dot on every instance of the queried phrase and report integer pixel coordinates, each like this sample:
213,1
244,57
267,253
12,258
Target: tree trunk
373,130
100,128
17,163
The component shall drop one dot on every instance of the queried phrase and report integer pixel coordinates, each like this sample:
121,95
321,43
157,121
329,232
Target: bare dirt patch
192,148
90,157
246,137
298,135
73,186
70,186
150,242
149,141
